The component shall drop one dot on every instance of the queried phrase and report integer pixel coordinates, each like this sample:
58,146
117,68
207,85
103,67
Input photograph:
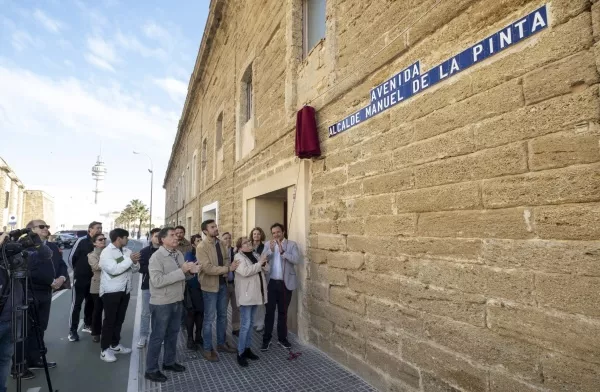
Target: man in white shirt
282,255
118,264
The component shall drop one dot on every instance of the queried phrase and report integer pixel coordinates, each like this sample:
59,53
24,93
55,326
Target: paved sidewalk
312,371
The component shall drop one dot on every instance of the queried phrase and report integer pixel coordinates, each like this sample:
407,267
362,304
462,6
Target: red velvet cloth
307,136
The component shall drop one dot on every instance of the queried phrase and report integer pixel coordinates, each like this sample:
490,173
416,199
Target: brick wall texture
454,239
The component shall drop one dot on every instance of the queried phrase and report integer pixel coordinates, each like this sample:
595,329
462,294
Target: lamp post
151,170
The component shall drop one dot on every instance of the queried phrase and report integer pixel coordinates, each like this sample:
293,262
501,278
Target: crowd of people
187,284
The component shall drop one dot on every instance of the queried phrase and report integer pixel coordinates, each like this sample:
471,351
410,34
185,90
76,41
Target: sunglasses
101,239
42,227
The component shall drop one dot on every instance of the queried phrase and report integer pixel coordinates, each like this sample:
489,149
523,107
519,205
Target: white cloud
38,105
102,54
50,24
99,63
176,89
133,44
21,40
155,31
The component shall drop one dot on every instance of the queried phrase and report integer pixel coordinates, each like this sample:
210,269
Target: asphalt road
79,365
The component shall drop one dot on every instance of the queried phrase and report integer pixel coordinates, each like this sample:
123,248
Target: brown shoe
210,356
226,348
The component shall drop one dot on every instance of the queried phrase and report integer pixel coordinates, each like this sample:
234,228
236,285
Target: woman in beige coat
99,241
250,291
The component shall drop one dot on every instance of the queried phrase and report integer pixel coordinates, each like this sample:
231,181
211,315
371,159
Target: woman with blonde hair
250,291
258,238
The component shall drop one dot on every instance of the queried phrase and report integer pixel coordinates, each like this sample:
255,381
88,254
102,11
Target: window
183,189
218,148
219,133
247,93
7,195
204,158
313,23
194,171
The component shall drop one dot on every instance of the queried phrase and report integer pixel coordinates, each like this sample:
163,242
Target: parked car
75,233
64,240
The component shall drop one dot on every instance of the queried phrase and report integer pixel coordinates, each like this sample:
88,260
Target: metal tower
98,173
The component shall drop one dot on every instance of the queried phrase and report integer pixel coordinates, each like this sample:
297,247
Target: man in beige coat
215,264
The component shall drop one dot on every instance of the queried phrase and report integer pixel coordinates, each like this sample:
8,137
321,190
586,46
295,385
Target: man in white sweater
168,272
117,263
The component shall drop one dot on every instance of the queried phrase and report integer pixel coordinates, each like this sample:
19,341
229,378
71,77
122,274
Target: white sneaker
259,328
120,349
108,356
86,328
142,342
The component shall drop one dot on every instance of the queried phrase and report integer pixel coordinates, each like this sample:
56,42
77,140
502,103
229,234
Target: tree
139,212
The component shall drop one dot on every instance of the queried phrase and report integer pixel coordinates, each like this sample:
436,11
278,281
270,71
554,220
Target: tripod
22,313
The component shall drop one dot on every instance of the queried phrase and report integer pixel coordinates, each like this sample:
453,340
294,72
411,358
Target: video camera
12,250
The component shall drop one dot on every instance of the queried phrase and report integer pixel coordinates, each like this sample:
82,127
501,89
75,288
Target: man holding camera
6,344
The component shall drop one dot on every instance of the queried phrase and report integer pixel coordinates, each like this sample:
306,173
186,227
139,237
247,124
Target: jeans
247,316
97,315
166,321
145,321
278,297
215,306
6,352
115,309
235,310
81,292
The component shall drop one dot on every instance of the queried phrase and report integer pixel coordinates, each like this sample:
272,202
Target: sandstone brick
560,77
463,250
338,316
580,257
321,273
347,299
553,115
486,347
514,285
501,382
469,308
404,224
390,364
388,141
346,191
450,144
325,226
596,21
368,372
329,179
389,265
568,221
349,341
388,183
317,197
383,245
445,365
573,294
382,286
379,333
375,165
318,290
566,374
570,185
331,242
351,226
564,149
346,260
392,314
460,196
324,326
471,110
373,205
343,157
431,383
500,161
317,256
505,223
571,335
335,352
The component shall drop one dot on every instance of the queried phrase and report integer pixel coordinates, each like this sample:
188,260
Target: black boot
191,345
242,361
250,355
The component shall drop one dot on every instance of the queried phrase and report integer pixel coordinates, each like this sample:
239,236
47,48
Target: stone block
381,286
338,316
392,314
341,158
385,246
346,260
486,347
565,257
564,149
560,77
432,383
348,340
388,183
321,273
455,249
498,100
596,21
346,191
554,115
570,185
329,179
331,242
572,335
568,221
368,372
318,290
390,265
446,365
390,225
569,293
447,145
502,382
323,227
490,163
465,195
372,205
562,373
392,365
317,256
347,299
334,352
351,226
388,141
378,164
469,308
321,324
513,223
317,197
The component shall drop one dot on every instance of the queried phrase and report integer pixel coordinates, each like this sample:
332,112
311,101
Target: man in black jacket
145,255
82,278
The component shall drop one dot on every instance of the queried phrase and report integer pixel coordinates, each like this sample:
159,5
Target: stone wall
454,238
39,205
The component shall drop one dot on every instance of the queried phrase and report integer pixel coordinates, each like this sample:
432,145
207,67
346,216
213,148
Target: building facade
450,228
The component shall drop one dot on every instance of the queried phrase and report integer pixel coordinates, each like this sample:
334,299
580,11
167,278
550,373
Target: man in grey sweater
168,272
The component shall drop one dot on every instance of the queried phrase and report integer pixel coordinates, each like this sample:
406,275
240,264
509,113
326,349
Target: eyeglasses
42,227
101,239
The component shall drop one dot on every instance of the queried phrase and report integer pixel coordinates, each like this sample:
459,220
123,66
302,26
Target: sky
80,76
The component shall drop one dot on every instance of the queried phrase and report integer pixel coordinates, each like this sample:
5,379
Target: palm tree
139,212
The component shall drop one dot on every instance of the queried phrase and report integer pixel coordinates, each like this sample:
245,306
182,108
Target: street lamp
151,170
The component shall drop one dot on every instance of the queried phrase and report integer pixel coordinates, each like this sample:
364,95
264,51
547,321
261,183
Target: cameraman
6,344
